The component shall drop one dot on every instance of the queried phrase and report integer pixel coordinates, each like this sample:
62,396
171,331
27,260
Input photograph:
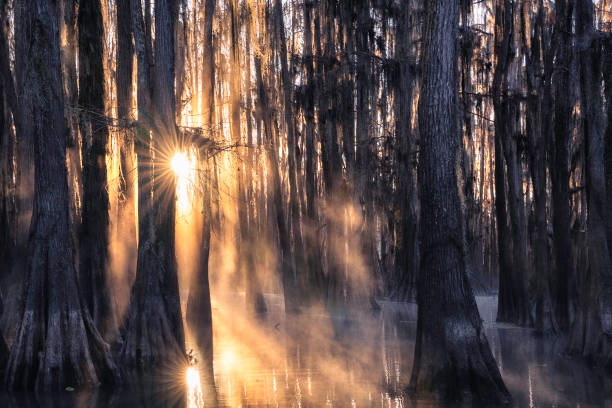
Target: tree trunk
154,327
539,66
57,344
294,208
591,329
93,231
126,223
406,243
313,246
512,302
560,152
452,356
288,276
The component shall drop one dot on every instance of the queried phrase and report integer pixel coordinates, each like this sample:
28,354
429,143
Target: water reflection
310,360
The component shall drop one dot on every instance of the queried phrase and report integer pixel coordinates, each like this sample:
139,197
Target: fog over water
357,359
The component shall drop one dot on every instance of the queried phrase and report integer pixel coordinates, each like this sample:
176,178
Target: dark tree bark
607,73
592,326
294,208
153,330
539,65
25,132
57,343
331,161
93,231
127,167
406,246
199,310
560,152
288,276
313,245
512,303
452,356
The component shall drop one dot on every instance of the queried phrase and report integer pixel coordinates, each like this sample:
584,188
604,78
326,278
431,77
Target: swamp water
355,360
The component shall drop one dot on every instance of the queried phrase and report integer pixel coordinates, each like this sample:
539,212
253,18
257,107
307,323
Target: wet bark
57,343
452,356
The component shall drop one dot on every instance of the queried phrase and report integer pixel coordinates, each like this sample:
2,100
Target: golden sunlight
183,166
195,397
180,164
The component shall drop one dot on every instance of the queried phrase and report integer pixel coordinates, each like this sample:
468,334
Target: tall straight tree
93,231
57,343
512,302
592,326
560,154
126,196
153,330
199,310
452,356
294,209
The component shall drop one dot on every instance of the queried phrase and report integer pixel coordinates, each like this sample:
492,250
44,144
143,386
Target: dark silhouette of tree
452,356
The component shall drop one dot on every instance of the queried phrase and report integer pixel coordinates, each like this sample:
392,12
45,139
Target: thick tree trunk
452,356
591,329
57,344
93,231
25,133
607,73
153,329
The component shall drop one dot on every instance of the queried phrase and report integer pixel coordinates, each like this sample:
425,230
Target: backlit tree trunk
57,343
93,231
153,329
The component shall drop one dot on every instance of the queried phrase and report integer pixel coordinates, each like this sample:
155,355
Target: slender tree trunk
126,223
288,275
406,245
93,232
512,302
560,151
315,268
57,343
294,208
538,94
452,355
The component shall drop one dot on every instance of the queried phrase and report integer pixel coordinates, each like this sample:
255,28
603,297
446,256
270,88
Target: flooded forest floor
344,359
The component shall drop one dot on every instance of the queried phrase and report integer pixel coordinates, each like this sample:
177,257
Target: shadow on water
304,361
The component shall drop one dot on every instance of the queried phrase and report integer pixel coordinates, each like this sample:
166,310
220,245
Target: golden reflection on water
298,361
